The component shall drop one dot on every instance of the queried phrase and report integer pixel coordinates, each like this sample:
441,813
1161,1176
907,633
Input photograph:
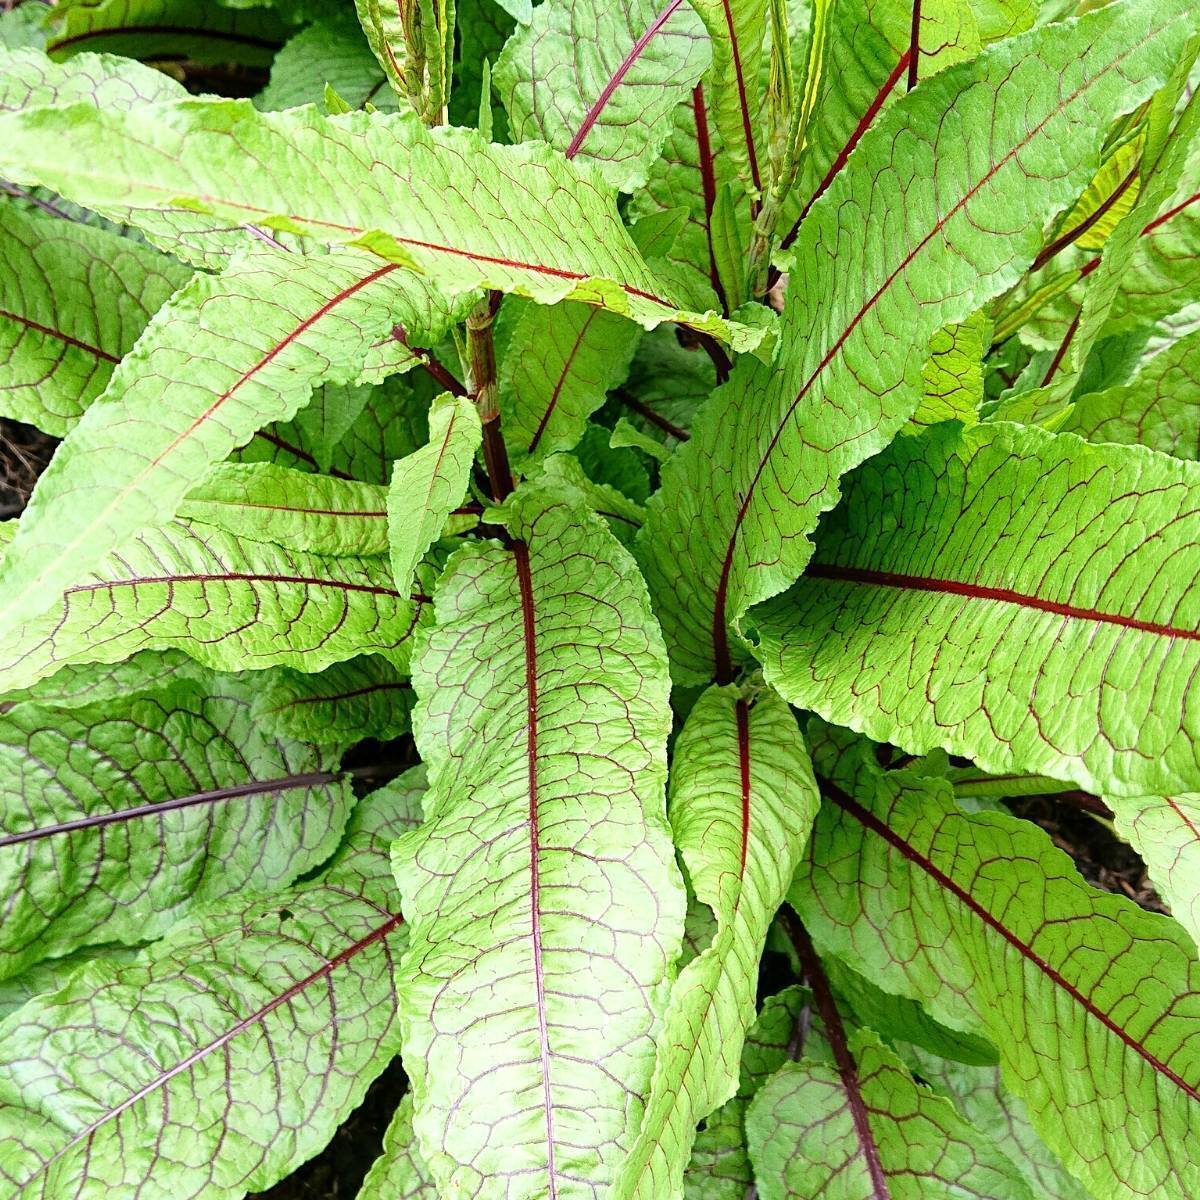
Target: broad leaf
861,1126
49,976
1074,566
428,484
742,802
121,816
600,80
230,604
224,1055
917,232
29,79
73,300
544,905
559,365
399,1172
1091,1002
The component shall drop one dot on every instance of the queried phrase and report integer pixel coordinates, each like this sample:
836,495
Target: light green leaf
73,300
742,802
429,483
227,355
366,697
52,974
230,604
544,907
399,1173
29,79
950,220
806,1134
559,365
515,218
74,686
225,1055
1022,598
1159,408
952,380
601,80
122,816
1091,1001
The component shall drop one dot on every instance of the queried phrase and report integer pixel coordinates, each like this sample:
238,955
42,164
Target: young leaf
1073,565
223,1056
600,80
428,484
559,365
1091,1001
742,802
515,218
544,906
807,1127
940,207
399,1173
73,300
229,604
122,816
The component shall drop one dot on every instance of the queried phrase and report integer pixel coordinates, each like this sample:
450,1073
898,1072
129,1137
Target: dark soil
24,453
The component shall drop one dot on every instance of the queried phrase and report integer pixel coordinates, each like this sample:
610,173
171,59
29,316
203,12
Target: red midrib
742,712
58,334
720,638
562,377
977,591
401,685
529,632
292,508
233,577
743,101
327,968
241,39
870,821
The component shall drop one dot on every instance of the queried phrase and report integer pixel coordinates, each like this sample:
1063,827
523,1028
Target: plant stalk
481,355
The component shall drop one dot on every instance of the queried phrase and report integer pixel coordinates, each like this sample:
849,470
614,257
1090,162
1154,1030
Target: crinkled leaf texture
940,207
1092,1002
742,801
1023,598
400,1172
29,79
121,816
224,1055
544,904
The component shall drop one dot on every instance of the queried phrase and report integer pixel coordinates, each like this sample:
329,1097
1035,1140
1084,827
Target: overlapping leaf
742,802
988,925
544,905
29,79
399,1173
119,817
230,604
1075,566
600,80
226,1054
918,230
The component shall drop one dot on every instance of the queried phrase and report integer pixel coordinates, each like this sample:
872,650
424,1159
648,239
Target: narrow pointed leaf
428,484
399,1173
896,629
544,904
805,1125
73,300
230,604
600,80
742,802
265,810
985,922
225,1055
951,219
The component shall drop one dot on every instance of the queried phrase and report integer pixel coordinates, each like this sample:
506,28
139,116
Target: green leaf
559,365
225,1055
121,817
1159,408
294,509
515,218
808,1127
952,380
1024,599
154,30
483,27
950,220
73,300
742,802
228,603
225,356
29,79
400,1171
1091,1001
74,686
544,907
601,80
366,697
428,484
52,974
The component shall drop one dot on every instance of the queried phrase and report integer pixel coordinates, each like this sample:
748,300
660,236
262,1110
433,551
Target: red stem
708,183
914,45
